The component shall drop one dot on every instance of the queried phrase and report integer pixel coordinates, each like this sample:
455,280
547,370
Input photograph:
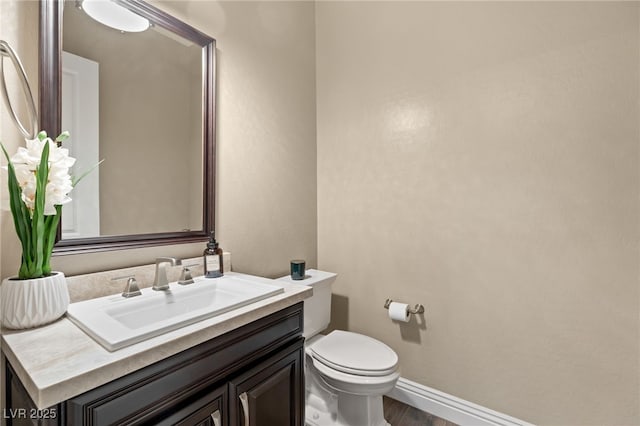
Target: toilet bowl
354,371
346,373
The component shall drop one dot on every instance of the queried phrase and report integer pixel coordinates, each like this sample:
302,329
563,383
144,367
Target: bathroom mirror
144,103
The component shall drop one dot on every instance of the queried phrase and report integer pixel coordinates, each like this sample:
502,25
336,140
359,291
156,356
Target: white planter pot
34,302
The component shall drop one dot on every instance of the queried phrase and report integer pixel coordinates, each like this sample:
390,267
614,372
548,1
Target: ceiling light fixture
114,15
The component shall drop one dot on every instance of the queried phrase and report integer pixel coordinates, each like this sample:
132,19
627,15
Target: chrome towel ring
32,131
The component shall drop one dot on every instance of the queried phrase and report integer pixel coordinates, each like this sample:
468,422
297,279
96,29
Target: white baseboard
449,407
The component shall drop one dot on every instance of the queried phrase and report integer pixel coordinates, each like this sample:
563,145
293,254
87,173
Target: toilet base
345,417
327,407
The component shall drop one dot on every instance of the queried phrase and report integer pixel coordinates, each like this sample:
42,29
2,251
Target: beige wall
266,179
482,159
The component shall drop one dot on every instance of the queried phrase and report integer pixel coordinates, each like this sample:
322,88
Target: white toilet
346,373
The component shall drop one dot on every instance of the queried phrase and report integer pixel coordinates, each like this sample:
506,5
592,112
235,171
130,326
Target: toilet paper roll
399,311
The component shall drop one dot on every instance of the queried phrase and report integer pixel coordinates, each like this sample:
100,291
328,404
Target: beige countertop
58,361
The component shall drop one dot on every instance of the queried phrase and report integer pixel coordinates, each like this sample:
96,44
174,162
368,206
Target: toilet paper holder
418,309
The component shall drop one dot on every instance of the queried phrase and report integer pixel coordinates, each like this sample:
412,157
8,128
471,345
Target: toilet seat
354,354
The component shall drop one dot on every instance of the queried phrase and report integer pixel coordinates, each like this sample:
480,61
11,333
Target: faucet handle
131,289
185,276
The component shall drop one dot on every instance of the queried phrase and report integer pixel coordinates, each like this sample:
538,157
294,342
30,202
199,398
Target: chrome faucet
161,283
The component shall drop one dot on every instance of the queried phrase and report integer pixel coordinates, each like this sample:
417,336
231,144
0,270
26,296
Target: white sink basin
116,322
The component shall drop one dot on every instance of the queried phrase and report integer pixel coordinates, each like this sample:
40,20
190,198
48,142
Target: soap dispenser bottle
213,267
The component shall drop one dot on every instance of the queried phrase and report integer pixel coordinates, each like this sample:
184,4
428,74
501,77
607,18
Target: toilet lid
355,353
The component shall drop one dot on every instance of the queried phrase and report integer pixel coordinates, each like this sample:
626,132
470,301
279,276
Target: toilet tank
317,308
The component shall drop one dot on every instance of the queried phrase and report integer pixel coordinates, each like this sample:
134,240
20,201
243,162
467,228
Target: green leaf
85,173
21,216
38,230
51,229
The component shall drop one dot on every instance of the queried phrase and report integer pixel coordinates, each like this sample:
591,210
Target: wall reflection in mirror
134,100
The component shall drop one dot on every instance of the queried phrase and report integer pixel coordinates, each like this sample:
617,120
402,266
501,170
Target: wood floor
399,414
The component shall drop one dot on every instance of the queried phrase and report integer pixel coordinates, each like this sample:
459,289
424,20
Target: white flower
26,162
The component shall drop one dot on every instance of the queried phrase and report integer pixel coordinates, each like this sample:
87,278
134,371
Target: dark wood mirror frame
51,108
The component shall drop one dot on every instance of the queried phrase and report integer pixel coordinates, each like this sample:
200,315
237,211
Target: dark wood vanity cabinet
249,376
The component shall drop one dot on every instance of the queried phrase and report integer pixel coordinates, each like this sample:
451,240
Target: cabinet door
271,393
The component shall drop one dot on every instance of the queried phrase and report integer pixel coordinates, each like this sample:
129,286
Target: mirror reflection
134,100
